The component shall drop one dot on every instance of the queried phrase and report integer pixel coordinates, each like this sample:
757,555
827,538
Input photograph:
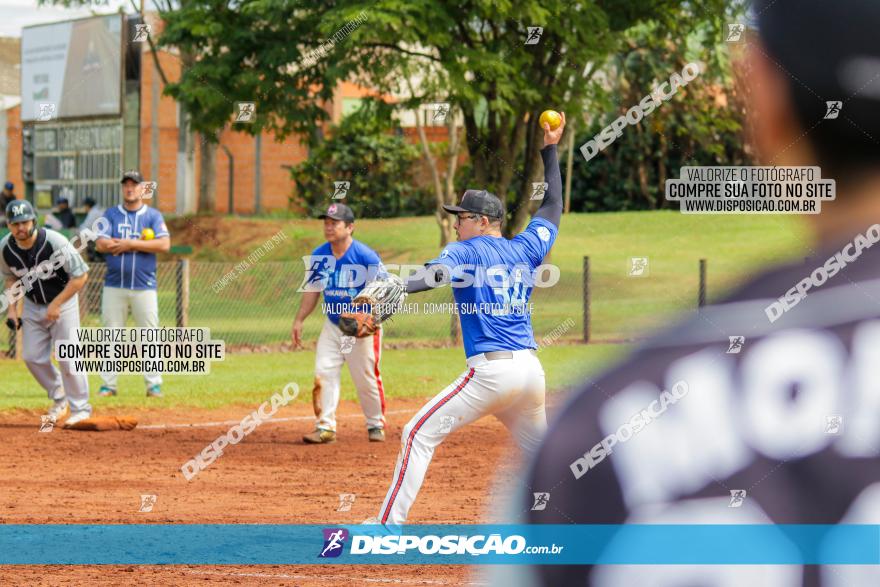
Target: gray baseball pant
39,343
144,304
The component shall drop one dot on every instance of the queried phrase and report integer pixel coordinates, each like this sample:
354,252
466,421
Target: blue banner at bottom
264,544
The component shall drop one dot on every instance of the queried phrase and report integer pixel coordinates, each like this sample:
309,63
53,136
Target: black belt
496,355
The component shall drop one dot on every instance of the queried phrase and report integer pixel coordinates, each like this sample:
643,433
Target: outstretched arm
433,276
551,207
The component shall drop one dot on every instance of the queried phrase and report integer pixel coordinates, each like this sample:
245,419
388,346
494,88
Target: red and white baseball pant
510,388
363,356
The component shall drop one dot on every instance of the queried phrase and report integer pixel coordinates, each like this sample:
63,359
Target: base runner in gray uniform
51,309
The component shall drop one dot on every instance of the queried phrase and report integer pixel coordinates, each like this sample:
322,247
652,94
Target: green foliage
248,51
365,151
700,125
471,54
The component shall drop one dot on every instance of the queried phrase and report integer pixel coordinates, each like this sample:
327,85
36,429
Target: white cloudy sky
15,14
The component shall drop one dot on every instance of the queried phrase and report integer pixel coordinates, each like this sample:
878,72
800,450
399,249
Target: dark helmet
20,211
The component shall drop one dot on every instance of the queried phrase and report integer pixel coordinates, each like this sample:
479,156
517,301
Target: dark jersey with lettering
45,285
764,408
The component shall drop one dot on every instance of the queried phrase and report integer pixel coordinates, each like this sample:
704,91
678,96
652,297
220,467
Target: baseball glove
375,304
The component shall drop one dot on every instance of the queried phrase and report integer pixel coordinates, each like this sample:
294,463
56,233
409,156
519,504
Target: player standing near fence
51,308
339,268
135,234
504,376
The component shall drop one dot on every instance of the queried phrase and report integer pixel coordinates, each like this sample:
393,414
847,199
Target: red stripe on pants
377,351
412,436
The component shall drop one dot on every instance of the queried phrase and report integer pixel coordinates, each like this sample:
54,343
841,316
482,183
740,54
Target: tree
486,59
700,125
442,178
246,54
442,161
241,52
363,151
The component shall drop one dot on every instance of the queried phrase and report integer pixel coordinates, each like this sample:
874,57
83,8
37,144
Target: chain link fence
253,305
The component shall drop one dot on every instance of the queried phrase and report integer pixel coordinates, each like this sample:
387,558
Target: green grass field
623,307
251,379
258,306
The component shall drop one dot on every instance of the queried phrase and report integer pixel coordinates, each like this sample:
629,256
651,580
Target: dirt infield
270,477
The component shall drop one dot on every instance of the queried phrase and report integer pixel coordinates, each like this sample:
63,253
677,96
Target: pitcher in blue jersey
492,282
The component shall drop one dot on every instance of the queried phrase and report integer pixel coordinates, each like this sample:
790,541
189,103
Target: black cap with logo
338,212
134,176
479,202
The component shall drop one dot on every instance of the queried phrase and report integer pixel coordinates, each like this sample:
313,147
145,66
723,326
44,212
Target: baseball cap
480,202
830,58
134,176
9,185
338,212
63,200
19,211
89,202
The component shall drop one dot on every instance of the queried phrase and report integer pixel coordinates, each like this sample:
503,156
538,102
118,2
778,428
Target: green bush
700,125
367,151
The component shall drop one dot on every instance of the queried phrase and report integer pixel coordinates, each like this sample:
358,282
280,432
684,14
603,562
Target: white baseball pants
363,356
39,338
114,313
512,389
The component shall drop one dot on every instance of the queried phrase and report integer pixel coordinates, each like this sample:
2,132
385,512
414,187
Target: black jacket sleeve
431,277
551,207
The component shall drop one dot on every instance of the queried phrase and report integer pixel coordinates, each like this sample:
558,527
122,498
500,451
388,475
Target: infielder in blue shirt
339,268
492,282
136,233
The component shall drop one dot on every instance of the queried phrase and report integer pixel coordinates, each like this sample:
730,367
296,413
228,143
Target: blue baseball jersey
492,282
341,279
132,270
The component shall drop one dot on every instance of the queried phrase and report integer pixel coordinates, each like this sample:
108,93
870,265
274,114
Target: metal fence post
586,293
182,293
701,294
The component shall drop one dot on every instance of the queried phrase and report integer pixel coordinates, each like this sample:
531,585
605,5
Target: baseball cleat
376,434
154,391
106,391
77,417
320,436
59,410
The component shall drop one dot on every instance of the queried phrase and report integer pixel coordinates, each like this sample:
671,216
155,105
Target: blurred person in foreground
764,408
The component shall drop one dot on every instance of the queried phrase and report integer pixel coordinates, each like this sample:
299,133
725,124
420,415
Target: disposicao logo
334,542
